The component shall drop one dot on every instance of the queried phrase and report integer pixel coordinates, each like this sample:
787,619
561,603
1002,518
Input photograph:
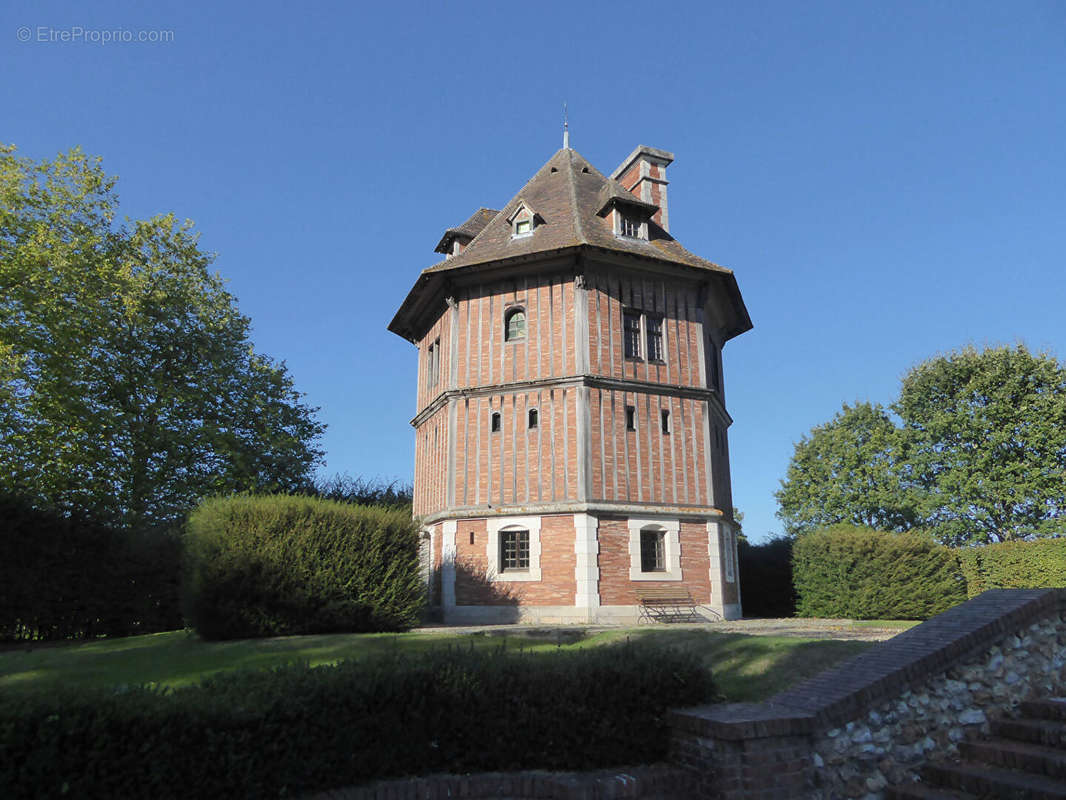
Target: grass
746,668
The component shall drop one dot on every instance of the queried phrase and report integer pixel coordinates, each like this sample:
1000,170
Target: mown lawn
745,667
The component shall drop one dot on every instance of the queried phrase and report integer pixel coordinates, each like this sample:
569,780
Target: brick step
923,791
1048,708
1036,758
1036,731
988,781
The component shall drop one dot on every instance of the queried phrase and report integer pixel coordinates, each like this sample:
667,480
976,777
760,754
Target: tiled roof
567,193
469,229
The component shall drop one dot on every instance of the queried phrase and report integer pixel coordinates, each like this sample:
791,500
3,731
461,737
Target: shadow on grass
754,668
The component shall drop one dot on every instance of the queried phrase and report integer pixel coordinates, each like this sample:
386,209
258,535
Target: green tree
987,442
848,471
129,388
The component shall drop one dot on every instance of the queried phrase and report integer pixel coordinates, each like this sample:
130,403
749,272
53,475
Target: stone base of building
584,567
565,615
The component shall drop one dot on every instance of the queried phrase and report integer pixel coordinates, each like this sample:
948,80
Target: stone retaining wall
874,720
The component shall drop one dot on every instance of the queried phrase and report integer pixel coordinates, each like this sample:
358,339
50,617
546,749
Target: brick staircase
1023,758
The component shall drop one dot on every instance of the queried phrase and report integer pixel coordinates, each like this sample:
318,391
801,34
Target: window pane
522,226
631,418
496,422
631,333
514,550
655,337
516,326
652,556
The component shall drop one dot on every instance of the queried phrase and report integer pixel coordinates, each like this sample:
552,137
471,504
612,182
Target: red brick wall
557,586
431,463
676,301
615,587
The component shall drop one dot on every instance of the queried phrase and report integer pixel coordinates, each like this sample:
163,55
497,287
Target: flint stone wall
876,719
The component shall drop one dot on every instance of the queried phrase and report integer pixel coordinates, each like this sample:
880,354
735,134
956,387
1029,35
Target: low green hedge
858,573
281,565
1014,565
296,730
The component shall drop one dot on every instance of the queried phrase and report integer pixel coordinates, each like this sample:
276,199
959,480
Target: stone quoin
571,428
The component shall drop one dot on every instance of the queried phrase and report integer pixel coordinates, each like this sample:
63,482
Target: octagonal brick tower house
571,427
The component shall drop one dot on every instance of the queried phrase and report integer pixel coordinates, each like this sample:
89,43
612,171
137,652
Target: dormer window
523,221
630,225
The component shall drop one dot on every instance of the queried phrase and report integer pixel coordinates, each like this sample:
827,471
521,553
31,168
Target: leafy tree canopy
980,455
129,388
987,443
848,470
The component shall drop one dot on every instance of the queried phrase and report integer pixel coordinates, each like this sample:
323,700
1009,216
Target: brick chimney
644,174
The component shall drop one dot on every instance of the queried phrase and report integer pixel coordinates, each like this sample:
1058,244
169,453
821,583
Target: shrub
766,578
296,730
65,577
860,573
282,565
1014,565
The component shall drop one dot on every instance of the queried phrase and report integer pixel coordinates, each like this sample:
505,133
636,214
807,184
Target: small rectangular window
631,333
533,418
514,550
631,418
522,226
654,327
665,419
652,551
495,425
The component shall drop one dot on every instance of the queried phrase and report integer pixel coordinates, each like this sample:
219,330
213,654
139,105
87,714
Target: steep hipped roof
468,230
568,194
570,197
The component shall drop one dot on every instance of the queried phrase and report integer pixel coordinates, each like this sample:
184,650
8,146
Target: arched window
652,550
514,325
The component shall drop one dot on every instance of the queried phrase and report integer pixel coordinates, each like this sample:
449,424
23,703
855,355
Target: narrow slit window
631,418
495,424
664,417
533,418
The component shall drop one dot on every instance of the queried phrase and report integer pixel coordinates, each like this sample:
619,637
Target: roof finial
566,129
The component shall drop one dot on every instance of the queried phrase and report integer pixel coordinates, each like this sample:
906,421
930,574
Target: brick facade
561,424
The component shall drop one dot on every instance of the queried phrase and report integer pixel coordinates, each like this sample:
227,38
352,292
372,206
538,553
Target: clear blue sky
886,179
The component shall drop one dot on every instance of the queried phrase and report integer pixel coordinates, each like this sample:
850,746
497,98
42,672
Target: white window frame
671,529
492,548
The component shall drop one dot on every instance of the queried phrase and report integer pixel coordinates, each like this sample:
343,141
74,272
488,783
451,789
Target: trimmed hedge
281,565
859,573
1014,565
296,730
766,578
63,577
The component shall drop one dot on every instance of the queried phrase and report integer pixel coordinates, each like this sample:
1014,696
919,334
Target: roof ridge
579,230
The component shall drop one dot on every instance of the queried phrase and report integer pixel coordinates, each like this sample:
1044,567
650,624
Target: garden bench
669,604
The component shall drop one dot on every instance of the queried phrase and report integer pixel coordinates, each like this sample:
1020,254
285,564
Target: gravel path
802,628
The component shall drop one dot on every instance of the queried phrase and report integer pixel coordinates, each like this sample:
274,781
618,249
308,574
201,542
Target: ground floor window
652,551
514,550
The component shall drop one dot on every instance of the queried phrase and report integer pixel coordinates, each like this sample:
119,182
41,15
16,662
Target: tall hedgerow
859,573
1014,565
283,565
63,576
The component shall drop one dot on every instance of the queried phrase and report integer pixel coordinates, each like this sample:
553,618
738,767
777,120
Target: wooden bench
667,604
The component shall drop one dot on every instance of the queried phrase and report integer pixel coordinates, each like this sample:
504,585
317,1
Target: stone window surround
671,546
492,548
